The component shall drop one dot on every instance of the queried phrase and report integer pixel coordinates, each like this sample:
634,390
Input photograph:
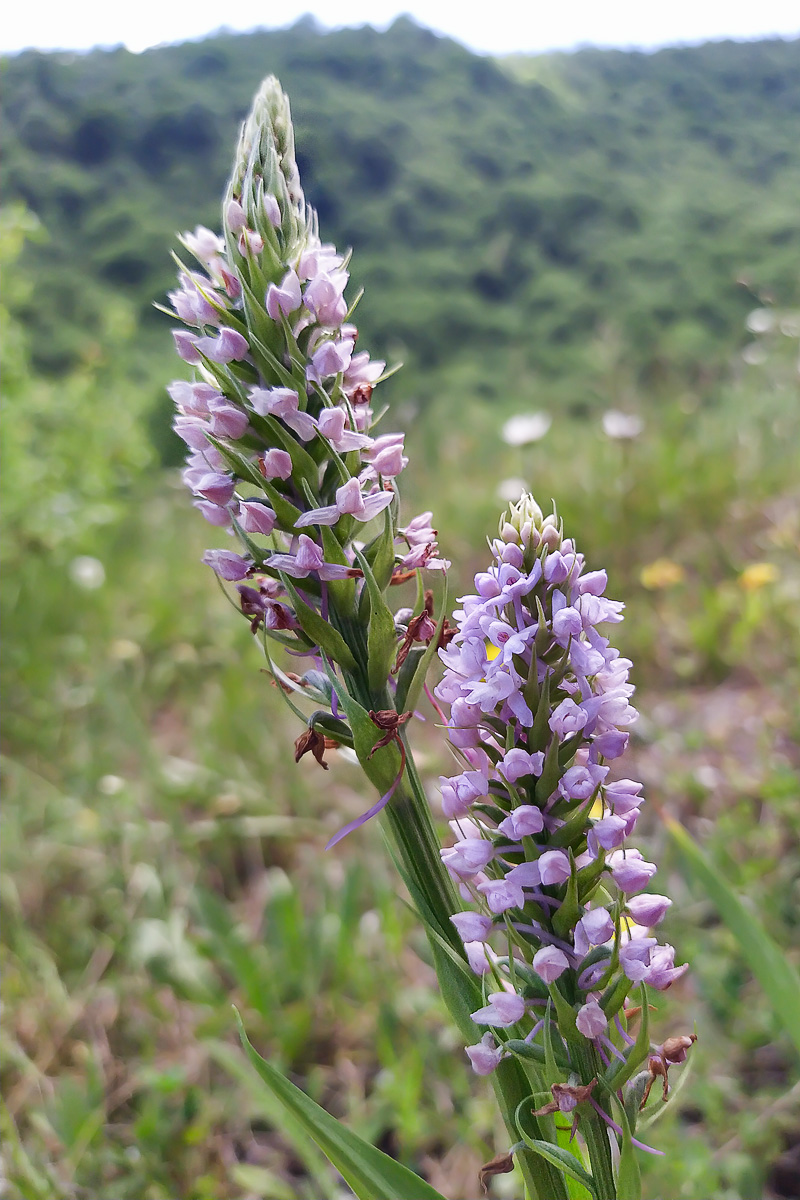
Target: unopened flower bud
525,516
549,963
591,1020
549,535
234,215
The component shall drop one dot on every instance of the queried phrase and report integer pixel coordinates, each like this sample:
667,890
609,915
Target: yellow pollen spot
492,651
597,809
757,576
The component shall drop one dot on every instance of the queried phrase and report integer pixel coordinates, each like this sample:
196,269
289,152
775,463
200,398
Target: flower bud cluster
278,420
539,706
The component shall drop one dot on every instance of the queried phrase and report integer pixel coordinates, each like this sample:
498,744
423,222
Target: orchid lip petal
318,516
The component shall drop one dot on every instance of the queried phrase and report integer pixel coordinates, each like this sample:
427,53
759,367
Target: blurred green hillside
587,210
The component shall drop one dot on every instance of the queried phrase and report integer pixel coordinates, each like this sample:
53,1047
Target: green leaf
778,978
267,1105
381,767
551,770
528,1050
405,676
380,552
242,467
370,1173
381,633
538,736
619,1073
261,330
566,917
574,827
629,1179
285,511
563,1159
459,988
411,696
341,591
566,1016
614,996
319,630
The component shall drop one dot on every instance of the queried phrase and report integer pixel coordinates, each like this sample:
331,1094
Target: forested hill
549,215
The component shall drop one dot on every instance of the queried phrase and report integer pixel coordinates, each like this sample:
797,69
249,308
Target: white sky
491,26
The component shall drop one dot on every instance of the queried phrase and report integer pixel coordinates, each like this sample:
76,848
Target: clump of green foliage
590,220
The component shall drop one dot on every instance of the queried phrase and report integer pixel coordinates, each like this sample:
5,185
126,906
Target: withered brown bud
675,1049
420,629
362,394
389,721
400,576
314,743
566,1098
501,1164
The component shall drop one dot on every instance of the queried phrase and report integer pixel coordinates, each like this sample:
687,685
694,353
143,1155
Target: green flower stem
417,844
593,1127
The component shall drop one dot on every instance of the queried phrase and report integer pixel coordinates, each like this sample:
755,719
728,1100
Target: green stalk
593,1127
417,843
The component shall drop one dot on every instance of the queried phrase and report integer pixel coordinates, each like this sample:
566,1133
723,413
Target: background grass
163,855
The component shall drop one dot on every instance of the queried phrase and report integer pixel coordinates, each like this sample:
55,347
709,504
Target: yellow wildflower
758,575
662,573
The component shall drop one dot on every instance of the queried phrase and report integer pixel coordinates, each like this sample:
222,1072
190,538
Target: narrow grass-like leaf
341,591
411,696
563,1159
380,552
619,1073
268,1105
380,767
319,630
462,994
629,1179
370,1173
778,978
381,635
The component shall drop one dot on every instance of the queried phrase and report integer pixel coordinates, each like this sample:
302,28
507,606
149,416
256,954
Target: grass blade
370,1173
778,978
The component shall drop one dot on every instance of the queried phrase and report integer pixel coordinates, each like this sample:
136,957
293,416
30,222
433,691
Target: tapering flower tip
522,523
265,182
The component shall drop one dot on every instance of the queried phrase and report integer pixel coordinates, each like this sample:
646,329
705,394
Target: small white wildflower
110,785
526,428
87,572
760,320
621,426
